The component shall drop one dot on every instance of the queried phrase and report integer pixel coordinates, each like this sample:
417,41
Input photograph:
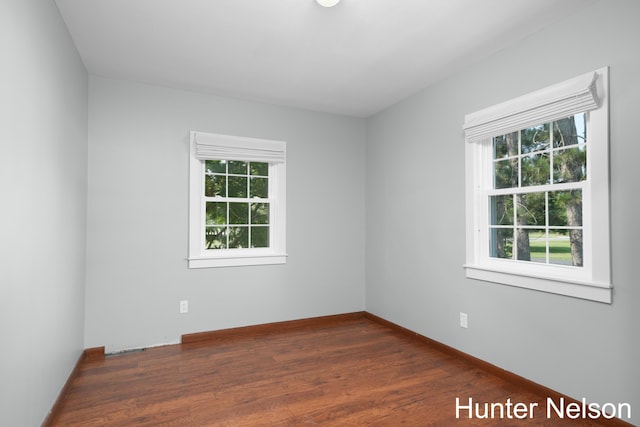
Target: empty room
319,212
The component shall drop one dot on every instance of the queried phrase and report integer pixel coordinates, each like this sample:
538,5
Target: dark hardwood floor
346,372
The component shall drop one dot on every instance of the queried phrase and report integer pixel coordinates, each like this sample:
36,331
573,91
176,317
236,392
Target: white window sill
237,260
585,290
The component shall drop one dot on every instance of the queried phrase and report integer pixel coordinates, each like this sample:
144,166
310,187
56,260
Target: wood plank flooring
350,372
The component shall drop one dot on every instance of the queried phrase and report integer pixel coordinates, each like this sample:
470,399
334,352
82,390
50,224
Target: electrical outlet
464,320
184,306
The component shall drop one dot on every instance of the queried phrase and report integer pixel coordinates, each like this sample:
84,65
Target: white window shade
577,95
226,147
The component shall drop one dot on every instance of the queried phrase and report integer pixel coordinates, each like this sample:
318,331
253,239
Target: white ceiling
356,58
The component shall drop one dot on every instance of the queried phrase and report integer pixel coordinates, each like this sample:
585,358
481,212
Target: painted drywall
415,217
137,232
43,173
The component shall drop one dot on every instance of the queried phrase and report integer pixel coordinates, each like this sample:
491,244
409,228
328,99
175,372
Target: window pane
215,185
570,165
505,146
215,166
216,213
215,237
238,237
536,242
560,247
565,208
259,188
501,210
258,168
259,213
576,242
238,213
535,169
506,174
570,131
535,139
531,209
501,243
236,167
238,186
259,237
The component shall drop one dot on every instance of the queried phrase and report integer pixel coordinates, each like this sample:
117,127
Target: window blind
565,99
210,146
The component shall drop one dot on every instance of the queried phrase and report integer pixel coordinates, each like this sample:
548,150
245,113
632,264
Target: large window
537,190
237,201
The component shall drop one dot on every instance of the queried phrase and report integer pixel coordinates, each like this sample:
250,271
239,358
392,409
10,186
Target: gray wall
137,231
415,217
43,162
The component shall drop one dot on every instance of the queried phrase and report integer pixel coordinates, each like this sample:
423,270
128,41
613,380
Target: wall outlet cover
184,306
464,320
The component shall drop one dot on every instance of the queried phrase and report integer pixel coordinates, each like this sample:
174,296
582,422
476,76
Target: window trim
588,92
208,146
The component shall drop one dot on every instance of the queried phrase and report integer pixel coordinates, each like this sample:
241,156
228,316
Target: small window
237,201
538,190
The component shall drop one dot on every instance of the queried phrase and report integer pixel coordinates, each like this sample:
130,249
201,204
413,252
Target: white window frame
586,93
208,146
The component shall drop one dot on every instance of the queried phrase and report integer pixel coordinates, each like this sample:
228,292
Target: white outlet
184,306
464,320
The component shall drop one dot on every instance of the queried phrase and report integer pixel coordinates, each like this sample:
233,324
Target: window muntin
545,226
